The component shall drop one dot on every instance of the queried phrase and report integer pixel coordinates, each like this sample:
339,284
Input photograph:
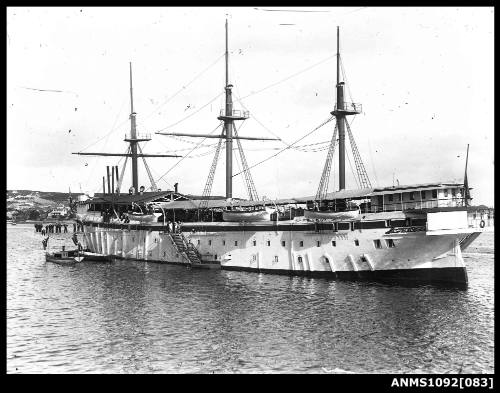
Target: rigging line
288,77
185,86
207,153
195,112
156,173
288,147
280,139
371,159
258,121
352,170
178,150
113,128
187,155
190,142
345,79
95,163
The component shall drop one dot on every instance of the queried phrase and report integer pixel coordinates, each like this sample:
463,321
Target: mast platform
236,114
347,109
138,138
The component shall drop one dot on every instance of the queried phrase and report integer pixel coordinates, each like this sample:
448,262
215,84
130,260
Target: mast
227,115
343,109
340,120
466,182
228,128
133,137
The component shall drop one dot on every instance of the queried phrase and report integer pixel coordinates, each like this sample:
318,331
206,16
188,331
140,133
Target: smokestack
103,186
175,187
117,179
112,180
107,170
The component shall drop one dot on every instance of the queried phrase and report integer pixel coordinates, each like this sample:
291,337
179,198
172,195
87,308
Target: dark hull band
309,227
455,277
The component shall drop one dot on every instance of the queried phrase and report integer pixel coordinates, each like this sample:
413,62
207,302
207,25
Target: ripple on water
136,317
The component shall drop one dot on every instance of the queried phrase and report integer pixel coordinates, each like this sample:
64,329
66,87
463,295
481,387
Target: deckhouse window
412,196
446,193
377,243
453,192
390,243
434,194
390,197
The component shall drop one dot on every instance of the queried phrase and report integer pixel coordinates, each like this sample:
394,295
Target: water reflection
144,317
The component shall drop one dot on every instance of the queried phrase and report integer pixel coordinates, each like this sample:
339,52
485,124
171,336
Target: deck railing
349,107
414,205
138,136
236,113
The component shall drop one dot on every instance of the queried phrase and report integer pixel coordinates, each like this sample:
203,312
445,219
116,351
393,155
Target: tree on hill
33,214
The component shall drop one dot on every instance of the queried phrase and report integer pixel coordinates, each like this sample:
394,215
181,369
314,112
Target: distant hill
29,204
57,197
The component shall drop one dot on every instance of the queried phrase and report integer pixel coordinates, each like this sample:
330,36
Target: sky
423,75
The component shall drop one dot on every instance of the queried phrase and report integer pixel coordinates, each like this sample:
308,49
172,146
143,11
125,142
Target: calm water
136,317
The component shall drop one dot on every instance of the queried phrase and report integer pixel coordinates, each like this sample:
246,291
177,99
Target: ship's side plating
301,248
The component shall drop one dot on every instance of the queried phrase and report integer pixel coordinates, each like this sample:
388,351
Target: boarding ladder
185,247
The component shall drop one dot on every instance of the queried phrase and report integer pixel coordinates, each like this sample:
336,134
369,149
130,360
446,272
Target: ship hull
303,250
447,277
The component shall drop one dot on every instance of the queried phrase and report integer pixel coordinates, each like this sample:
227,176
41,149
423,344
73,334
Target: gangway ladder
186,248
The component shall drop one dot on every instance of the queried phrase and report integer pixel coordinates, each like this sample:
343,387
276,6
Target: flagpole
466,183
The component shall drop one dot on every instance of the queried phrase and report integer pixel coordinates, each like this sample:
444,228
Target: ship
412,233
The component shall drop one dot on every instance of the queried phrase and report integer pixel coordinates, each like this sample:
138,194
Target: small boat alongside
64,257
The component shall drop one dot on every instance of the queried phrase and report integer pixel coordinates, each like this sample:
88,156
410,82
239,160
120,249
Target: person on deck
44,242
65,228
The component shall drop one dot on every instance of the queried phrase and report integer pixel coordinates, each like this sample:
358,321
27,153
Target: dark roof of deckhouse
127,199
182,201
